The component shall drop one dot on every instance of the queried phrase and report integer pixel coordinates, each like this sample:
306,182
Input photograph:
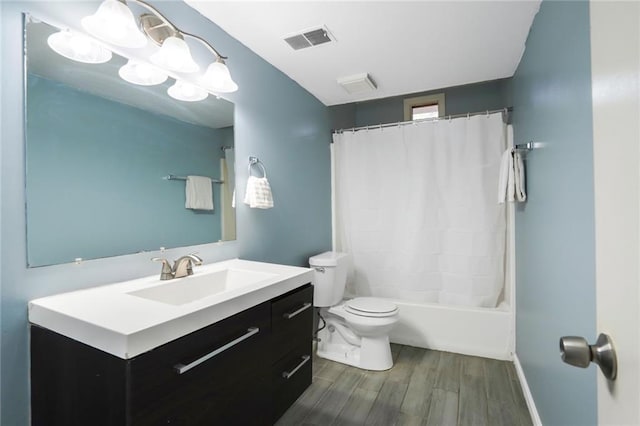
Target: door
615,59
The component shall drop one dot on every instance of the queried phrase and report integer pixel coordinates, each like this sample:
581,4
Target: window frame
434,99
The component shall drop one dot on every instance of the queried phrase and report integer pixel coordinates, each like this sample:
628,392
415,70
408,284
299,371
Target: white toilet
356,331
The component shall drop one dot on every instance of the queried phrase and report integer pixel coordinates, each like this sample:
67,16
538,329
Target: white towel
258,194
198,192
518,171
511,180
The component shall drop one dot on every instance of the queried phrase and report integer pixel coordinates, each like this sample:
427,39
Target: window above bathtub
422,107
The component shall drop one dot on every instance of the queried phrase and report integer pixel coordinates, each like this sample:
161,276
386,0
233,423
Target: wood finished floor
424,387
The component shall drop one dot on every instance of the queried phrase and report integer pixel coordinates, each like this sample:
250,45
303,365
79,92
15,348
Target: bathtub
483,332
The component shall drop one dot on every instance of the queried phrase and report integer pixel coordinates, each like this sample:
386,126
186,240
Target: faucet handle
166,273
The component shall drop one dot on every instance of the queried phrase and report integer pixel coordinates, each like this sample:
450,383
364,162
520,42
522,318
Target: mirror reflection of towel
198,193
258,194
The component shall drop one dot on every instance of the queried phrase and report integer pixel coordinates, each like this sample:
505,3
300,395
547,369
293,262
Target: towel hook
256,161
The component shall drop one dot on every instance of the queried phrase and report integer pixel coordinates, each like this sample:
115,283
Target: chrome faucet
181,267
184,265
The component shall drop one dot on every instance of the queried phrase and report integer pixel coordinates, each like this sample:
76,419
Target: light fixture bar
158,30
152,26
205,43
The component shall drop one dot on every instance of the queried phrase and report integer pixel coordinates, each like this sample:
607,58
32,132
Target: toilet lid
370,306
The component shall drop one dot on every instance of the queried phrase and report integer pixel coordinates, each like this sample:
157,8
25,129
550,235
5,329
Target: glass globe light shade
174,55
78,47
187,92
218,79
141,73
114,23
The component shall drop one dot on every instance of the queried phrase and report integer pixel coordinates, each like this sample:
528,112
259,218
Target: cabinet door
292,321
73,384
214,391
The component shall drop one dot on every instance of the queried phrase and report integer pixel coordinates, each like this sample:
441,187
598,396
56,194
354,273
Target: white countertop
124,325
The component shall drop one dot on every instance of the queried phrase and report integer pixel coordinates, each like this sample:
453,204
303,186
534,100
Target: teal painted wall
111,175
555,243
275,119
489,95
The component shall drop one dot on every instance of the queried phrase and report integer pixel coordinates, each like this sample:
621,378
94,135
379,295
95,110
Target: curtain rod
504,111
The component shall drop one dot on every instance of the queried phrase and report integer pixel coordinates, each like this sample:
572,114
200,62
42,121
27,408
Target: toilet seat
370,307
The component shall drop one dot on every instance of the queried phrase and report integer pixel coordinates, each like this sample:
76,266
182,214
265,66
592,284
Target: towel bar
524,146
256,161
174,177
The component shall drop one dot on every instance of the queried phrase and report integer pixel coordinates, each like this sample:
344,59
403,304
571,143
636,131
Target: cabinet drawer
291,321
291,376
158,390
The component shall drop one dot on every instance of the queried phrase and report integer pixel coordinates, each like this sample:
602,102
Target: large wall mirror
98,153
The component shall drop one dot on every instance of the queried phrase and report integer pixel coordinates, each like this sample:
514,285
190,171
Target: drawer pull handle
288,374
294,313
181,368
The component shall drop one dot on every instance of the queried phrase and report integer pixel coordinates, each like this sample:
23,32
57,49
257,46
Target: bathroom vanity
236,350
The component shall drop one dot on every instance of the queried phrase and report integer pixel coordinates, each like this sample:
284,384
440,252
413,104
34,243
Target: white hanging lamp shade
114,23
218,78
174,54
187,92
78,47
141,73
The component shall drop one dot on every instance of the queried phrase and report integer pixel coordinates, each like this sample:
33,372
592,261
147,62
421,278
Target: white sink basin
131,317
189,289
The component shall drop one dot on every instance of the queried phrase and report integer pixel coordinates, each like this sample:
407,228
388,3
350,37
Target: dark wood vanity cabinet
291,357
261,364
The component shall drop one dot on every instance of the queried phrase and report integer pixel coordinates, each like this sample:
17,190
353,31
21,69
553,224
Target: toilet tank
329,277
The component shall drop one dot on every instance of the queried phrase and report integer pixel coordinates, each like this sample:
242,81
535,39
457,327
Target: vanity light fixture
141,73
115,23
78,47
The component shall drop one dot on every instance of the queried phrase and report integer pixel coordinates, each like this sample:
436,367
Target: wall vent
309,38
357,83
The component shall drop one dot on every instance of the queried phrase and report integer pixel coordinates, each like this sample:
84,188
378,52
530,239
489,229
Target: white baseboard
535,417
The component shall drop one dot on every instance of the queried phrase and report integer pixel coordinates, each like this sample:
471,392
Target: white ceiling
406,47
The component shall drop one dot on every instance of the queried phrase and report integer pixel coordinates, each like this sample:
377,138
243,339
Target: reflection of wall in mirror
94,177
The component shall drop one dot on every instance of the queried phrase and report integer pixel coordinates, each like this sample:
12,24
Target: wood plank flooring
424,387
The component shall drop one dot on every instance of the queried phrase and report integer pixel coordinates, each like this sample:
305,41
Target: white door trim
615,69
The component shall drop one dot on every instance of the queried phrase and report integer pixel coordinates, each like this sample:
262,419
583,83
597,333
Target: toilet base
372,353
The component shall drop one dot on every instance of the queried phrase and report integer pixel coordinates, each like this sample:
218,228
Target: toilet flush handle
319,269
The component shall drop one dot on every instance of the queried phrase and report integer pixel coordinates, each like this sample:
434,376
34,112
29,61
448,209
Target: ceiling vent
309,38
358,83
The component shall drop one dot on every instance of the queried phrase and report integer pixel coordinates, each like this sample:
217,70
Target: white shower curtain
416,208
